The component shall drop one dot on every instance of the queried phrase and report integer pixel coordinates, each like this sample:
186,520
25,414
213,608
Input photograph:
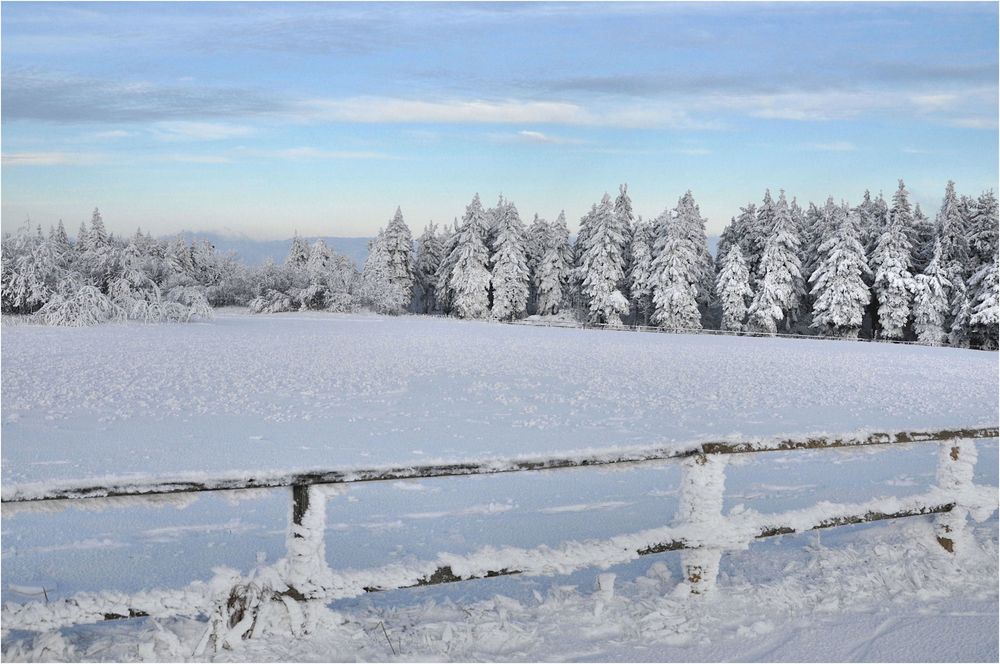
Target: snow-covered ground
306,391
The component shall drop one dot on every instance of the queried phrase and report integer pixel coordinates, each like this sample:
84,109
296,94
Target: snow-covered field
307,391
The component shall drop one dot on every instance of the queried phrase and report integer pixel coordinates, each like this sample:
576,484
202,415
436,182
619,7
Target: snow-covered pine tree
551,281
930,300
812,237
760,228
953,235
839,289
688,215
382,287
959,333
922,239
442,291
535,245
469,281
733,289
625,221
985,305
82,241
509,275
97,236
890,262
399,255
298,254
984,227
60,240
475,221
559,235
640,277
779,279
602,266
677,273
430,253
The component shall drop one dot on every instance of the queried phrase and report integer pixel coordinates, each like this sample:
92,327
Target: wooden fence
701,531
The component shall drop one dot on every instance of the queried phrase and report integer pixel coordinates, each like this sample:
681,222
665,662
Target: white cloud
528,136
197,158
394,110
47,158
199,131
110,135
694,152
834,146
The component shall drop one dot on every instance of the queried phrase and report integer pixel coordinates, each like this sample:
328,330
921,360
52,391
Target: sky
264,119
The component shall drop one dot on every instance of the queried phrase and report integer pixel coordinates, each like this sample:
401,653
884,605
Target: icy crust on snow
303,391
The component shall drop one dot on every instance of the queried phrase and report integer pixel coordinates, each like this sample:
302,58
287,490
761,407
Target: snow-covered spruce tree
32,270
692,225
922,239
812,237
640,277
559,235
97,236
893,281
984,227
399,259
959,332
840,292
676,276
625,222
535,244
552,272
382,287
733,289
442,291
985,306
60,240
602,266
509,275
298,255
469,281
930,300
430,253
953,234
779,286
760,227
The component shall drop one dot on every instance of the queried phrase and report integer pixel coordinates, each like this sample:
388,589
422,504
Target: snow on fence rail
701,532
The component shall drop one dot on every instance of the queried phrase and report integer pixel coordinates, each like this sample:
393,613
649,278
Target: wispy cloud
693,152
305,153
511,111
528,136
199,131
195,158
833,146
48,158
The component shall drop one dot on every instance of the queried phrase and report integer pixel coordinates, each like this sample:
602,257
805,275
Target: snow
301,391
266,395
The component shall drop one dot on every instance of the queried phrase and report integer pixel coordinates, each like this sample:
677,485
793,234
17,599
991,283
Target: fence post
307,570
956,466
703,480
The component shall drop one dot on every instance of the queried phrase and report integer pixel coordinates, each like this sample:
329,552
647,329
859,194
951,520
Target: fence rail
124,487
701,532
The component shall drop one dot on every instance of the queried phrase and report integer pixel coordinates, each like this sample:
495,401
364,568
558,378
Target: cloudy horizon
264,119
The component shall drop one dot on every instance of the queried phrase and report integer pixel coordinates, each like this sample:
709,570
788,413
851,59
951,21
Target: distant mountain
255,252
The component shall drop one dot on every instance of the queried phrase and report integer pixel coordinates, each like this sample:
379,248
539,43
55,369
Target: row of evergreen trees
884,271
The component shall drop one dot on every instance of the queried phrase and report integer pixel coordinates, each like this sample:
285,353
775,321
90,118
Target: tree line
878,269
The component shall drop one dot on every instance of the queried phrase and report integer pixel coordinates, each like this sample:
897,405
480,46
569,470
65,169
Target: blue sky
267,118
